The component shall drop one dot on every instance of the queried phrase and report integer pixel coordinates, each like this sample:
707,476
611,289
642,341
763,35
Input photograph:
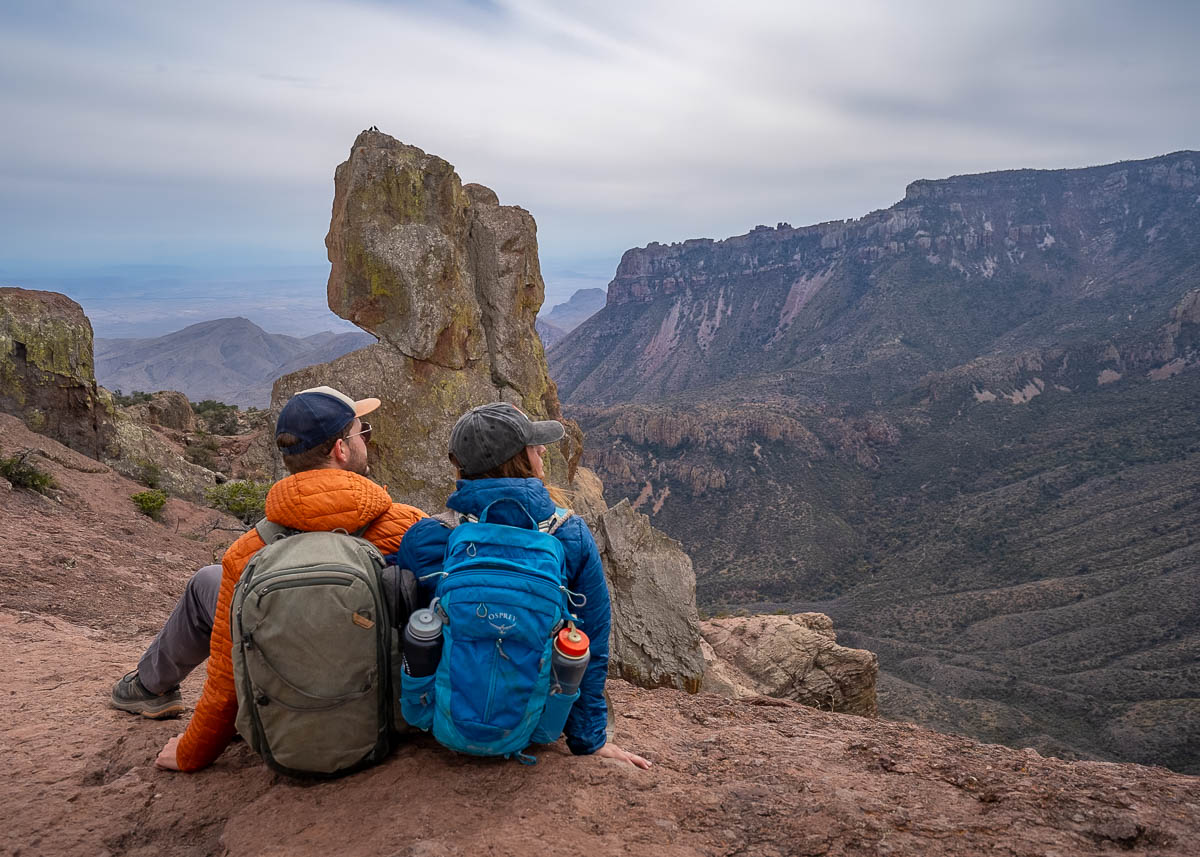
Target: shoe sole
170,709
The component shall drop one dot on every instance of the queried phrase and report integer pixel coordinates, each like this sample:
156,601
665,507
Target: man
323,440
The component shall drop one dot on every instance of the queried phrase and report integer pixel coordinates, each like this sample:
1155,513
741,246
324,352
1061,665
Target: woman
497,451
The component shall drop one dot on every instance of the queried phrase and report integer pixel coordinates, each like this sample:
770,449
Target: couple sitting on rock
497,451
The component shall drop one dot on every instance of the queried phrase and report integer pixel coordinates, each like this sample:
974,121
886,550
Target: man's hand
612,751
166,756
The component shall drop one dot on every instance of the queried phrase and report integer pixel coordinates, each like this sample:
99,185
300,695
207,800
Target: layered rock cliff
964,427
1023,261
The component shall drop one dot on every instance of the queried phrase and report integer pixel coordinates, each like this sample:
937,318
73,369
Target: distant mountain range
553,325
581,306
964,426
547,332
231,360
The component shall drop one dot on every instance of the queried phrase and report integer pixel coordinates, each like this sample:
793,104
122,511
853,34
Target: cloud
144,129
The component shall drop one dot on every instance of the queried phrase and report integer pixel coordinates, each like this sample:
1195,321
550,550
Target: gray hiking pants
182,644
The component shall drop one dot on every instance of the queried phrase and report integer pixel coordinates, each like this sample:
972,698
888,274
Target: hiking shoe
129,694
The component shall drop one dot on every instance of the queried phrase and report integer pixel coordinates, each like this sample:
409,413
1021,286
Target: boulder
790,657
152,458
167,408
655,635
47,378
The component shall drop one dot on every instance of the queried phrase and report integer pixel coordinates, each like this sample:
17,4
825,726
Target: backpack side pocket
417,700
554,717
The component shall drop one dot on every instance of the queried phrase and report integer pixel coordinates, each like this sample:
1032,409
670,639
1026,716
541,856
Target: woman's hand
612,751
166,756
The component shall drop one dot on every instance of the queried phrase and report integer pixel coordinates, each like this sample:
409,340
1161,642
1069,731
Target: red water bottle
569,659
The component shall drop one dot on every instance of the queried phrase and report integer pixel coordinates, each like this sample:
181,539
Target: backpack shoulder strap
451,519
400,594
269,531
551,524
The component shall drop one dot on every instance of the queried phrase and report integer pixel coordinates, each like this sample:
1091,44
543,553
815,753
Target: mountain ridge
813,283
578,308
867,417
231,360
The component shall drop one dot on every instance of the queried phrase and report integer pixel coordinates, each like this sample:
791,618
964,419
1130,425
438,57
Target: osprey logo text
502,622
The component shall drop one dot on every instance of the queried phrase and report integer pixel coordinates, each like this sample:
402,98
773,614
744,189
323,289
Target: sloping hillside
86,582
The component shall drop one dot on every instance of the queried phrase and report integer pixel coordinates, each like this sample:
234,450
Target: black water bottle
422,643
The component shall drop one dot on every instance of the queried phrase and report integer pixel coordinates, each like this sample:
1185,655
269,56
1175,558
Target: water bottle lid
572,642
425,624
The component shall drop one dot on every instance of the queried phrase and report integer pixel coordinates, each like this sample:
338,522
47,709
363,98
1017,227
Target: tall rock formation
47,378
448,280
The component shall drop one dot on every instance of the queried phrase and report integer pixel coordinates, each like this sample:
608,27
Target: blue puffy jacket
424,547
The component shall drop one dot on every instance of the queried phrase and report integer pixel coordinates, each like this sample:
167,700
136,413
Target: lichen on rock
47,377
449,280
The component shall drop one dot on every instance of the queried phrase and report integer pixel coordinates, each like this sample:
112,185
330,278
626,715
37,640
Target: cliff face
998,264
47,377
964,427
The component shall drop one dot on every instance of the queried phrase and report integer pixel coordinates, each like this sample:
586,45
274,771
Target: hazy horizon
204,138
147,301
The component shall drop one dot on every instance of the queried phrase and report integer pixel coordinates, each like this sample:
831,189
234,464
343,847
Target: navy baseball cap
316,415
489,435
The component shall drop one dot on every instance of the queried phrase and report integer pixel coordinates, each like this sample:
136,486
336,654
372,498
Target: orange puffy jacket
313,500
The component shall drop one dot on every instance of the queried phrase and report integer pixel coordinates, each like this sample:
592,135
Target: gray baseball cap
489,435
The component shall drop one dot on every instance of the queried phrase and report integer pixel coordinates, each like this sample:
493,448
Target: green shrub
22,474
137,397
150,503
246,500
148,473
217,417
202,450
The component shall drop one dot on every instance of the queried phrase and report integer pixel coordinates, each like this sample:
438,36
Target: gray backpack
316,652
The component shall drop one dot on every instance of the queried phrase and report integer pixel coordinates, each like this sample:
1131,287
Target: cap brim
364,406
546,431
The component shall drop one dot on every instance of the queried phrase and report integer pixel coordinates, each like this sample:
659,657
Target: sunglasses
366,432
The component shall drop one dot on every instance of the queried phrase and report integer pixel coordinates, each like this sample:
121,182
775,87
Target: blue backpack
502,597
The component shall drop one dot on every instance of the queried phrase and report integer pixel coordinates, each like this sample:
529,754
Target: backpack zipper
308,581
332,569
487,708
463,577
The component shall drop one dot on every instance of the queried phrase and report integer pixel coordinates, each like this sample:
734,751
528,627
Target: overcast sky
205,135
